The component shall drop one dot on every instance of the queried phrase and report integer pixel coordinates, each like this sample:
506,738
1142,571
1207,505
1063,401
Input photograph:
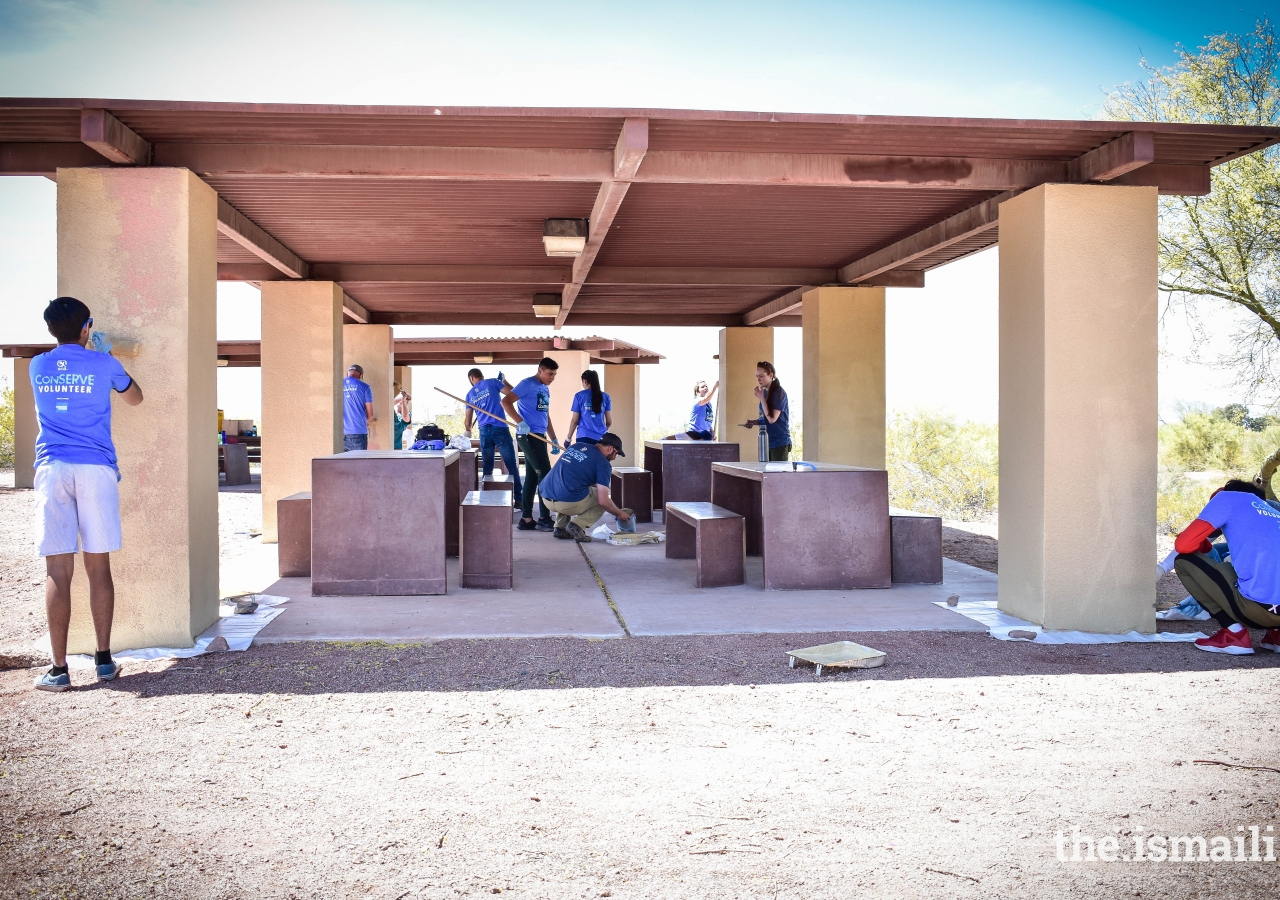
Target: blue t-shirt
355,394
779,431
1252,529
73,405
533,401
580,468
703,418
591,425
487,395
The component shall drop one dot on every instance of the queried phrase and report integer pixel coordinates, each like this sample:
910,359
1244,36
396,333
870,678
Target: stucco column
843,376
139,246
1078,411
373,348
568,382
25,426
404,375
622,384
301,386
740,350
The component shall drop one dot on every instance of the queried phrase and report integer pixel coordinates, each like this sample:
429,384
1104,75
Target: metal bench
915,542
632,488
486,540
710,534
497,482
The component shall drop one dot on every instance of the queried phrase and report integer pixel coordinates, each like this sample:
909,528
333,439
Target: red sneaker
1237,643
1271,640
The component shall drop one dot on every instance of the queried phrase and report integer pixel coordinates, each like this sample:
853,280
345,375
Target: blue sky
1009,60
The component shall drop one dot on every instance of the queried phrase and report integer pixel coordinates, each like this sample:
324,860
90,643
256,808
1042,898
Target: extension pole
485,412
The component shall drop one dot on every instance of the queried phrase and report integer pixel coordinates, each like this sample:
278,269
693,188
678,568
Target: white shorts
77,500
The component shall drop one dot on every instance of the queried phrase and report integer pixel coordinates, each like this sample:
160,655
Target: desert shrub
1178,500
1219,440
940,466
6,428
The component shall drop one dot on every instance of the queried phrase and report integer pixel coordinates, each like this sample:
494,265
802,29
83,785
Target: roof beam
414,274
628,153
972,221
112,138
1130,151
708,275
245,232
780,306
1182,181
354,311
590,319
45,159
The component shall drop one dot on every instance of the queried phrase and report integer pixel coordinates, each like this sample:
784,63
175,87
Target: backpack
431,432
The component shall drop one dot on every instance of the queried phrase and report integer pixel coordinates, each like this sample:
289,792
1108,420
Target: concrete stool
710,534
915,542
632,488
293,523
496,482
468,472
486,540
236,462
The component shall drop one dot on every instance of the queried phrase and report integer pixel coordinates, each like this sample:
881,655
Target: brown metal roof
434,214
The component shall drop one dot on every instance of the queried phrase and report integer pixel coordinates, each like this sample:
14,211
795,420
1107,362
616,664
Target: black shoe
545,525
526,525
562,534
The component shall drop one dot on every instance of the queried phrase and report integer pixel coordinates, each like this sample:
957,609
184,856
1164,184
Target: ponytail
775,386
592,378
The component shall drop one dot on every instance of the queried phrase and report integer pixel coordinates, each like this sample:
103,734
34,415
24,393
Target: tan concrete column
740,350
139,246
568,382
1078,412
373,347
302,373
25,426
622,384
843,376
404,375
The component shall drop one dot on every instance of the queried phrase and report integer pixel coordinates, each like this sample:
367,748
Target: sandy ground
645,767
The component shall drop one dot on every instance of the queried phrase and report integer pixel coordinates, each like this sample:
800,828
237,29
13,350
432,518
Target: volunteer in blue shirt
487,394
592,416
702,422
1244,590
357,410
577,490
77,497
529,406
775,412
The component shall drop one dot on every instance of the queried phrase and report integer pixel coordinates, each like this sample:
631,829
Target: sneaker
1237,643
545,525
50,682
576,532
1271,640
526,525
108,671
562,534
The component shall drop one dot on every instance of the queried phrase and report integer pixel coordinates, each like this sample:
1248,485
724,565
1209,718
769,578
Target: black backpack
431,432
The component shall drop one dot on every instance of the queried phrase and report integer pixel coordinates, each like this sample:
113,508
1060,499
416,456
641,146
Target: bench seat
915,542
710,534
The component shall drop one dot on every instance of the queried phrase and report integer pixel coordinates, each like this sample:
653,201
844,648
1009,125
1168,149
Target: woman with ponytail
591,411
775,412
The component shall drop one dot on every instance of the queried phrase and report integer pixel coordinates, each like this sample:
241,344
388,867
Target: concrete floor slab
656,596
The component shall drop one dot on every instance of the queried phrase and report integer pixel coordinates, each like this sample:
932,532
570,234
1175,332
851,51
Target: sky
1008,60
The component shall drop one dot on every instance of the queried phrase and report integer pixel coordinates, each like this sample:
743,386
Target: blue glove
100,341
522,428
555,448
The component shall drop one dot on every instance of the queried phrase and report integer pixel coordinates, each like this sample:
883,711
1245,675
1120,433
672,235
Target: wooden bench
497,482
486,540
293,530
710,534
632,488
915,542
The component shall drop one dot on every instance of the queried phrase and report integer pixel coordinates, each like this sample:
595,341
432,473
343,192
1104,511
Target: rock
953,600
217,645
1023,635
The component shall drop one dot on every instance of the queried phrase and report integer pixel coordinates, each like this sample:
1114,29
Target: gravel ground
679,767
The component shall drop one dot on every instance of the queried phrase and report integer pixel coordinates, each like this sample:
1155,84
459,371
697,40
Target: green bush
1218,440
1178,501
6,428
939,466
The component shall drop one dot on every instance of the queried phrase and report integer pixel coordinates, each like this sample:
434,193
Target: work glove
522,428
100,341
468,433
555,448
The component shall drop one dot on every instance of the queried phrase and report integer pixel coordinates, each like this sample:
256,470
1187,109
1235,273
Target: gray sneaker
576,532
50,682
108,671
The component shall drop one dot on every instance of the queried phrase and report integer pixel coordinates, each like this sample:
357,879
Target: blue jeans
499,437
354,442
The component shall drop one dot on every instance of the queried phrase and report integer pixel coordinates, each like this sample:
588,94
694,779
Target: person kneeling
1245,590
577,488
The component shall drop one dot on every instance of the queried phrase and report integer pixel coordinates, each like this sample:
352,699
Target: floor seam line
617,613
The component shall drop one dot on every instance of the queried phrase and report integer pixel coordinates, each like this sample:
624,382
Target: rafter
112,138
1130,151
354,311
779,306
245,232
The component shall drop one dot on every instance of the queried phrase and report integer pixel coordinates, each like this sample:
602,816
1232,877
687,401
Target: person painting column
487,393
76,482
403,407
702,421
529,405
577,489
775,412
592,416
1244,590
357,410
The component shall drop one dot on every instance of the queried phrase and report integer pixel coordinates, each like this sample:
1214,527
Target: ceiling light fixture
546,306
483,358
564,237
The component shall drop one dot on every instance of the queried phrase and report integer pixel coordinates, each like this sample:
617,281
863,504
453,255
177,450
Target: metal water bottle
763,442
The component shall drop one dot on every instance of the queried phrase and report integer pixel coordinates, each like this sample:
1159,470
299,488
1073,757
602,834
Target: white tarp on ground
237,631
999,624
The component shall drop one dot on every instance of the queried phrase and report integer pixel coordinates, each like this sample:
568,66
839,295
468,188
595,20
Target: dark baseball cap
354,368
612,440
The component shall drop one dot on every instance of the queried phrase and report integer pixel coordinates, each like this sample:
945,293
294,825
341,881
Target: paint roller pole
485,412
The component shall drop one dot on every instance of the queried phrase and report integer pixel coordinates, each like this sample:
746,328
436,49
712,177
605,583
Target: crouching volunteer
76,479
1245,590
577,488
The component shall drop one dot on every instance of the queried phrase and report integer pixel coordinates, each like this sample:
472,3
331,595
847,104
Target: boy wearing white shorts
77,500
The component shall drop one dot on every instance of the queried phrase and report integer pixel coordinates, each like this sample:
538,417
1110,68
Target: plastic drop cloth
999,624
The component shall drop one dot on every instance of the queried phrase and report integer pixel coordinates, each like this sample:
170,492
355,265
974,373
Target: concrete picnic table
682,469
819,526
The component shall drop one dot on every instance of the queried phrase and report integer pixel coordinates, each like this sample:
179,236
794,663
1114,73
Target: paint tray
841,654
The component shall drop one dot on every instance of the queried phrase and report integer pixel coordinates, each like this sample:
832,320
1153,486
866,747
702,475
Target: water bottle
763,442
